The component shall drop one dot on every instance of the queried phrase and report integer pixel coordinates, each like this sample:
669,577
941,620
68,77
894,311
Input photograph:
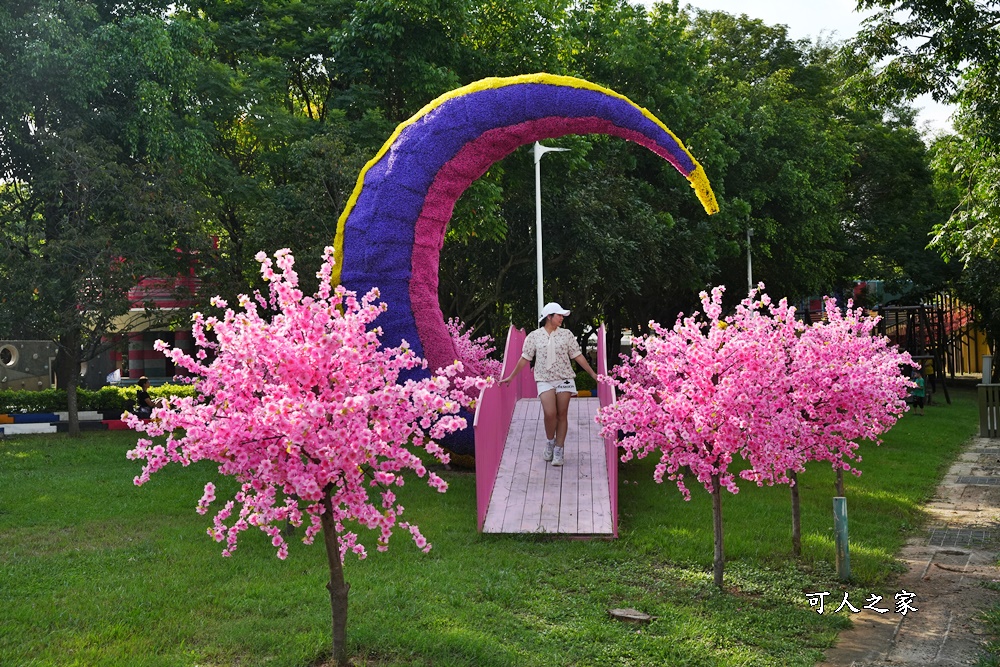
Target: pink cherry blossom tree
844,386
714,388
850,389
474,353
303,407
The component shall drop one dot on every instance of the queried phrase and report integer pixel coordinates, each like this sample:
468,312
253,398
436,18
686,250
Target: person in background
552,347
919,392
144,404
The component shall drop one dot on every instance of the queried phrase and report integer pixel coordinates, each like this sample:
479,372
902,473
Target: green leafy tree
893,204
951,50
298,96
928,46
970,161
966,238
783,159
510,37
95,143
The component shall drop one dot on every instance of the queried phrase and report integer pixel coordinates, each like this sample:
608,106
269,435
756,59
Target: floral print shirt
552,353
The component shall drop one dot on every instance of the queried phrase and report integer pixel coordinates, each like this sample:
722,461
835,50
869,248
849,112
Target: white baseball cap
552,308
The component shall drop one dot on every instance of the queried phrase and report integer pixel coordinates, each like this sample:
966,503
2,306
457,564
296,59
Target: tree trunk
840,483
337,586
796,516
719,562
68,375
612,339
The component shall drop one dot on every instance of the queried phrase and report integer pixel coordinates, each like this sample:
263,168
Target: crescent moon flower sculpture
392,230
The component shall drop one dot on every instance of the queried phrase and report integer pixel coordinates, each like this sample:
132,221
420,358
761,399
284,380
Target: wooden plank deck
532,496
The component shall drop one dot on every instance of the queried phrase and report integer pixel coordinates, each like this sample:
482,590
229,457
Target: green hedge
584,381
113,399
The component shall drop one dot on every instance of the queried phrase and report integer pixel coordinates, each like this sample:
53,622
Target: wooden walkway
532,496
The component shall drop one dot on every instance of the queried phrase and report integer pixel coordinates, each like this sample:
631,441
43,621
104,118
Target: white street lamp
539,152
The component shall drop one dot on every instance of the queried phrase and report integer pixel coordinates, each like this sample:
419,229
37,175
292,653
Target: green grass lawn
94,571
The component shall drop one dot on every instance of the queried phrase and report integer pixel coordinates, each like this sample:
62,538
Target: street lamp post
749,263
539,152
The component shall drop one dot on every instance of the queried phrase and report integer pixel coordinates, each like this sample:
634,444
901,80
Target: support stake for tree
840,535
719,562
796,516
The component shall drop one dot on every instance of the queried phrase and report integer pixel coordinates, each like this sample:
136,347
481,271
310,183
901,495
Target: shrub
584,382
20,400
105,399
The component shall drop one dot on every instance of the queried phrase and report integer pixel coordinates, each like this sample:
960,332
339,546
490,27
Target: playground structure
939,334
920,331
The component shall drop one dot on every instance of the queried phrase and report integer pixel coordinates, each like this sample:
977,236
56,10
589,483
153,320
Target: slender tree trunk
719,562
840,483
68,375
337,586
796,516
613,339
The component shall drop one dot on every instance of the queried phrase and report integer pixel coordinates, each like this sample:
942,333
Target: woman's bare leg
562,410
550,409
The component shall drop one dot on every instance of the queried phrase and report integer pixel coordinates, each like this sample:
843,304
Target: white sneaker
549,446
557,457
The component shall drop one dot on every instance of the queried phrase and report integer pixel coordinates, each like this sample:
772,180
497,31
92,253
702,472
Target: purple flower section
380,232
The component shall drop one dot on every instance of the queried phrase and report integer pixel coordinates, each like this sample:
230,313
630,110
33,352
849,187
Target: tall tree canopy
249,121
951,49
97,136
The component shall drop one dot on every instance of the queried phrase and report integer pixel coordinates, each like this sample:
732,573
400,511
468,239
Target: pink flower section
759,385
303,404
474,353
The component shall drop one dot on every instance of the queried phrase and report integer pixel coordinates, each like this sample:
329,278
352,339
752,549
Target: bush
585,382
20,400
105,399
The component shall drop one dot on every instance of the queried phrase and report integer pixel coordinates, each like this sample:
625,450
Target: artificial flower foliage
474,353
392,229
304,409
759,385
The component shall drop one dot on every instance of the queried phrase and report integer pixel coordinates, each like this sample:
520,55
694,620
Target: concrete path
950,566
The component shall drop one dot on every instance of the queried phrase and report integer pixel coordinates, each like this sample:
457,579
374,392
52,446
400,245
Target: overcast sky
812,19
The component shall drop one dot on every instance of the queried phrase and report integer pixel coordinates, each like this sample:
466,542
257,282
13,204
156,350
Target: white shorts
559,385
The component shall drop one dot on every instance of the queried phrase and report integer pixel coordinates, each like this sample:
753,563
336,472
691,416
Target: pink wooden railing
606,395
494,411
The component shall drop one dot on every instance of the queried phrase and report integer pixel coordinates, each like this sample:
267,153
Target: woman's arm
521,363
582,360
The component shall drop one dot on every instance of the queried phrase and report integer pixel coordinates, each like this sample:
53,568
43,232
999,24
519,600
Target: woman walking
552,347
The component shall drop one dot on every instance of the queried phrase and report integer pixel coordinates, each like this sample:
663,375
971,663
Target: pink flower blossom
303,404
759,385
474,353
